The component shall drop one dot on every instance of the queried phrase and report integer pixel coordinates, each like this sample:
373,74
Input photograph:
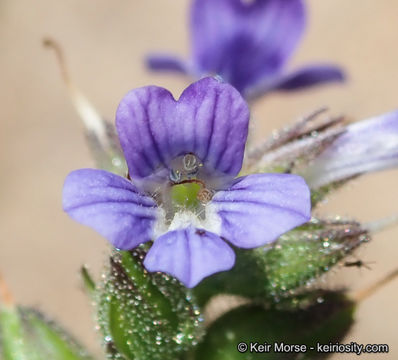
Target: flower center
184,198
185,168
187,189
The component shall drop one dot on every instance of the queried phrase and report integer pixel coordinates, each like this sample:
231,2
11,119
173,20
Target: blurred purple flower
366,146
199,139
248,43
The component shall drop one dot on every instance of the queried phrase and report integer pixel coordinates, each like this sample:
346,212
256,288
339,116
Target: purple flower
194,144
248,43
366,146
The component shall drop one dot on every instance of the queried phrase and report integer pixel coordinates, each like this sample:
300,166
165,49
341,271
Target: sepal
100,135
145,315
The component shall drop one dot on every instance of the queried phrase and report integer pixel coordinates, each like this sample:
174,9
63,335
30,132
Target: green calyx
145,315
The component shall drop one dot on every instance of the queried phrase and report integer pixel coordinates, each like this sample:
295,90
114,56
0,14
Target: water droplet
179,337
116,162
108,339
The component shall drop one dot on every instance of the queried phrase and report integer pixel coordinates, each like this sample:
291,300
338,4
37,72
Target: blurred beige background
41,140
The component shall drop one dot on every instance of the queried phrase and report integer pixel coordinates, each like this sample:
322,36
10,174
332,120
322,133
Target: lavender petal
189,255
111,205
305,77
366,146
259,208
210,120
244,41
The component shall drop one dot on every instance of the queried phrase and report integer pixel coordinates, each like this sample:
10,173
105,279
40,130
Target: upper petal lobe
210,120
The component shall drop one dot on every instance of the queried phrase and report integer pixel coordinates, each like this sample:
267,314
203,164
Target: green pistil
185,195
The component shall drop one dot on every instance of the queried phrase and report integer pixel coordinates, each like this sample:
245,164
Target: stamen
190,162
205,195
191,165
175,176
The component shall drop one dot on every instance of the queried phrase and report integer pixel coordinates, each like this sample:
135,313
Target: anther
175,176
204,195
190,162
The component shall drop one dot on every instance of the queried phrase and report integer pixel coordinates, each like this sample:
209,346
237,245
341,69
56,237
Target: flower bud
328,320
293,264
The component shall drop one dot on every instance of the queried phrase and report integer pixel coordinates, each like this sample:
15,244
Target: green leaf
49,338
145,315
27,335
328,320
13,342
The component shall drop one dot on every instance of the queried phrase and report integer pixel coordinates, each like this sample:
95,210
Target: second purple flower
248,43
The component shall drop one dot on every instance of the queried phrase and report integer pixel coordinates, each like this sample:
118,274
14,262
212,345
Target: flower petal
166,62
111,205
259,208
244,41
305,77
210,120
189,255
368,145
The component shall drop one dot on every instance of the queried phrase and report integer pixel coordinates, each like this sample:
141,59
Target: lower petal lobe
258,208
190,255
110,205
